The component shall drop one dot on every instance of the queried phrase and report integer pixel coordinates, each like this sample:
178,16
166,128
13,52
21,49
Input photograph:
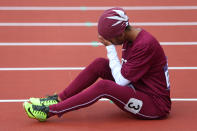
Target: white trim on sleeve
115,66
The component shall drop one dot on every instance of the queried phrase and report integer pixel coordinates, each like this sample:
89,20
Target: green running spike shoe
49,100
36,112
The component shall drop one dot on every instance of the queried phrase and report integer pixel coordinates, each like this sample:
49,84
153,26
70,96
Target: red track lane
79,56
84,16
24,84
96,2
79,34
69,56
107,117
40,83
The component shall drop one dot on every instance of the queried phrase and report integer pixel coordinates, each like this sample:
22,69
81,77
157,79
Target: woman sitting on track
139,86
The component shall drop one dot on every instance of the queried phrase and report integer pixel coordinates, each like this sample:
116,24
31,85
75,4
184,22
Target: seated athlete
139,85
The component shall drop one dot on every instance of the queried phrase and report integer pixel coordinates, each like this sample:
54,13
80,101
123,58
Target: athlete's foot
37,112
49,100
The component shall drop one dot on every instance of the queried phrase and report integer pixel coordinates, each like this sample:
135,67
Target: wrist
110,48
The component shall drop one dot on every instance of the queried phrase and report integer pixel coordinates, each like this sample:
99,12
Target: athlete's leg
125,97
98,68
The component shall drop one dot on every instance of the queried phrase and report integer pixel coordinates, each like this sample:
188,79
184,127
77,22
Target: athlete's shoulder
147,38
144,42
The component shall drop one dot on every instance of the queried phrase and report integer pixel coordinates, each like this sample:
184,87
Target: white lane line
172,99
164,23
182,68
14,100
49,24
98,8
74,68
103,99
90,24
178,43
55,44
84,44
184,99
42,68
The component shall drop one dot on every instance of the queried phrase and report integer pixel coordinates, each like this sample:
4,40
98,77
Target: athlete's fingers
104,41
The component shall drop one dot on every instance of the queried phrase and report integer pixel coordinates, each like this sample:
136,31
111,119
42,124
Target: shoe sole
26,106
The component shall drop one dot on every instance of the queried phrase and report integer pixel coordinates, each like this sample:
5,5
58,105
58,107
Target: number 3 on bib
167,76
134,105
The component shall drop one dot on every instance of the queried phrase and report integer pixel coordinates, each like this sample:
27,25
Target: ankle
59,99
50,114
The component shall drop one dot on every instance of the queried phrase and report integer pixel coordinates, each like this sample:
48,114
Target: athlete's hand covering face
104,41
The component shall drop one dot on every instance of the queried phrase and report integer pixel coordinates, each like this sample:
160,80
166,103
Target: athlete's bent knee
99,65
103,85
101,61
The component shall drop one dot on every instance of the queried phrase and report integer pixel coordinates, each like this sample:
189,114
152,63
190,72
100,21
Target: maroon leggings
84,91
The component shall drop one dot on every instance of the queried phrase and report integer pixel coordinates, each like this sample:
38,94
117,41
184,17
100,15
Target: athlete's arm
115,66
114,62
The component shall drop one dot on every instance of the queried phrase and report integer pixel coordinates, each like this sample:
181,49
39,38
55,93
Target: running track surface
103,115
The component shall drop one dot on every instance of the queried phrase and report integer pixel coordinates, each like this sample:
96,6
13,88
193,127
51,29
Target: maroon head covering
112,23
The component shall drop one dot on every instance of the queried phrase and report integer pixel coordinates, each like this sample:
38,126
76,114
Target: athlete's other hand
104,41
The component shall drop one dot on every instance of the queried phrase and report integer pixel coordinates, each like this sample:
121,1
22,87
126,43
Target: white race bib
134,105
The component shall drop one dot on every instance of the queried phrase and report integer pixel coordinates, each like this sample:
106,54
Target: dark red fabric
105,28
144,62
79,95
